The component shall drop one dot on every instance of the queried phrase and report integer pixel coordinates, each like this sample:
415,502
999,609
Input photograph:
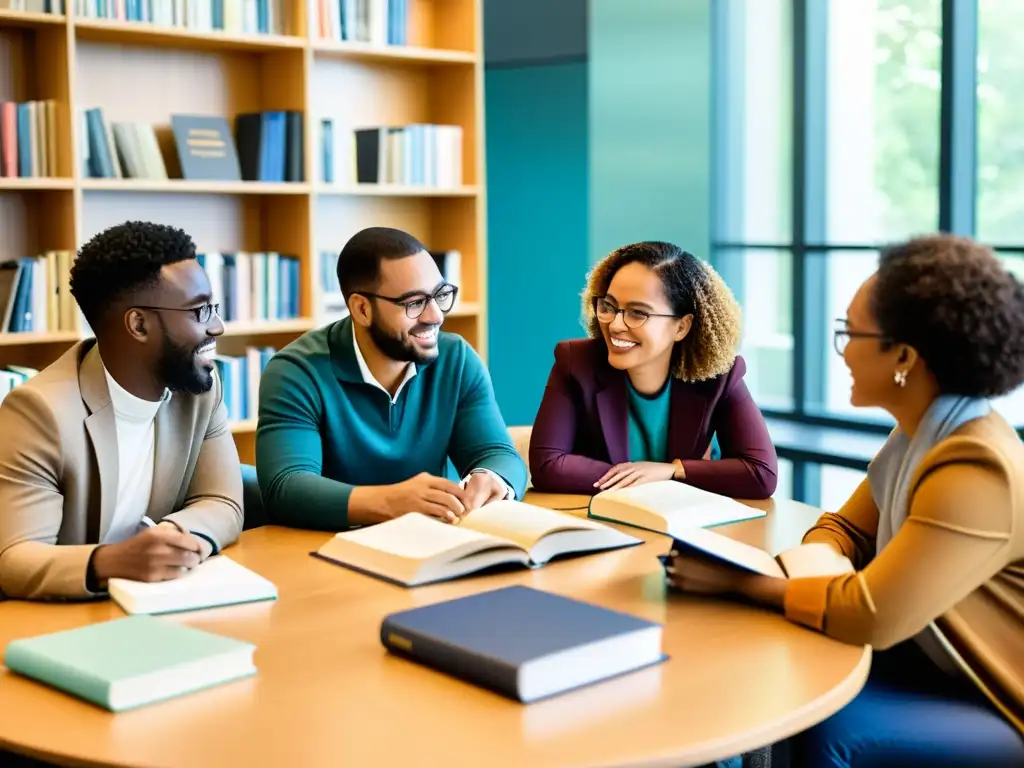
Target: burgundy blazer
581,428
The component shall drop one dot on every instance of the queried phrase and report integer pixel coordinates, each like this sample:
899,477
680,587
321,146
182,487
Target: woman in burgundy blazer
641,400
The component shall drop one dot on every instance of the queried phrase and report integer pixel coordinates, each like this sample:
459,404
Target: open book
806,560
217,581
667,506
415,549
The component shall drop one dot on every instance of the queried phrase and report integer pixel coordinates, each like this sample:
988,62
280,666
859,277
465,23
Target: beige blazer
59,474
954,570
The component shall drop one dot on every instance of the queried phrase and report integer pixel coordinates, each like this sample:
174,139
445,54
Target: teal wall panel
650,117
537,219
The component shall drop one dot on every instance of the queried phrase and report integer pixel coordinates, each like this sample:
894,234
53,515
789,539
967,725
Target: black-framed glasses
444,297
203,313
633,318
841,336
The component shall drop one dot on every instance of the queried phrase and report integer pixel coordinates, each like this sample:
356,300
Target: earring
900,377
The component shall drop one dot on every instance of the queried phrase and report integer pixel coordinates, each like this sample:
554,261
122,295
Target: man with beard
117,460
358,419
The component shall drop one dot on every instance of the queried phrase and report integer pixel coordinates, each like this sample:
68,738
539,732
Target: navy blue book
523,643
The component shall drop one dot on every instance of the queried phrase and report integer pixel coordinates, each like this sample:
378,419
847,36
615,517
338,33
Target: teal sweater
323,430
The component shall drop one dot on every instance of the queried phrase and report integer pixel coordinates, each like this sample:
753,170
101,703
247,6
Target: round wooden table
328,694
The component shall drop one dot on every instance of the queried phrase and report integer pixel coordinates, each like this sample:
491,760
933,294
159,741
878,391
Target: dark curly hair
953,301
124,259
692,286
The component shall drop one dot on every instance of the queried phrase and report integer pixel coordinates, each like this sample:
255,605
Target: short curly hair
124,259
953,301
692,287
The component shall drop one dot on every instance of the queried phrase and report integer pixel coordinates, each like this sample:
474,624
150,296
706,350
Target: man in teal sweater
358,419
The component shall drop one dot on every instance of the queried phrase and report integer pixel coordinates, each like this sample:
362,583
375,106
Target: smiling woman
642,399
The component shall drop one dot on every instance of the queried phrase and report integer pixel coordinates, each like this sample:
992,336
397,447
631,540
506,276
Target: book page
718,547
414,536
524,524
816,559
219,572
672,505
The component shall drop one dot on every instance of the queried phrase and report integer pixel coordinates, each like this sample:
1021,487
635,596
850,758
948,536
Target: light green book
129,662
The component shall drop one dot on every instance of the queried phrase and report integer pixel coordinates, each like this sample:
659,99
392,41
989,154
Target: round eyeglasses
841,337
416,305
633,318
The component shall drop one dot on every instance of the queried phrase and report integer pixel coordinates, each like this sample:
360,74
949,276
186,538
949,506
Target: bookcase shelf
144,73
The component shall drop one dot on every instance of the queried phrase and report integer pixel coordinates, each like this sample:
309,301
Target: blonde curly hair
692,287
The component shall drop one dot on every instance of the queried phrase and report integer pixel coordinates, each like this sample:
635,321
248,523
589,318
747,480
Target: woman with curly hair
642,398
934,534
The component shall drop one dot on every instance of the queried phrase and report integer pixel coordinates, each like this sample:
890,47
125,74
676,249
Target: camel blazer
954,570
59,474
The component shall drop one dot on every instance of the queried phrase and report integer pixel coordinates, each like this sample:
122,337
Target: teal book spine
19,657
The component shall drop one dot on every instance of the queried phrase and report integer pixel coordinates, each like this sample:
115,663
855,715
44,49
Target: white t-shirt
136,452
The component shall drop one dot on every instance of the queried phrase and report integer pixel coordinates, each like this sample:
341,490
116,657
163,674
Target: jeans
910,713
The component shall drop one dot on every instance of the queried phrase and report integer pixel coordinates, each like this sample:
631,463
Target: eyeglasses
633,318
443,296
203,314
841,336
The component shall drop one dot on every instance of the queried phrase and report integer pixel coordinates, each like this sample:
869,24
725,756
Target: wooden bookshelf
143,72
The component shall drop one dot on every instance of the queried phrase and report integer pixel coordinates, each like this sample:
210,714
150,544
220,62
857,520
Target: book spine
455,661
20,658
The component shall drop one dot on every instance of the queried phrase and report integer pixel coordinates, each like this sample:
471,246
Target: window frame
958,115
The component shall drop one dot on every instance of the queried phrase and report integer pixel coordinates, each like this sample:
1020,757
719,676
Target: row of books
269,147
35,295
240,377
415,155
120,150
382,22
28,138
33,6
254,286
233,16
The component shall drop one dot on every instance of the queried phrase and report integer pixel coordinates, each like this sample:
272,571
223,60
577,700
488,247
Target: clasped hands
441,498
698,575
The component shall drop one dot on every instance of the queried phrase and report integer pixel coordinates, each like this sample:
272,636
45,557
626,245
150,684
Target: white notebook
669,507
217,581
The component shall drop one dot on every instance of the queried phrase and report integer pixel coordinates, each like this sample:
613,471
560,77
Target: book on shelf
120,150
206,148
254,286
35,295
129,662
804,561
416,549
240,17
270,146
13,375
33,6
218,581
668,506
240,380
412,155
494,639
28,138
378,22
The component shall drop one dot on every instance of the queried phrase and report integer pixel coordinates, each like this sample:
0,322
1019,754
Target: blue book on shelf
206,148
524,643
129,662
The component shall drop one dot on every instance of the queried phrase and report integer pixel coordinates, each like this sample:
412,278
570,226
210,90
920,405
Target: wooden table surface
327,693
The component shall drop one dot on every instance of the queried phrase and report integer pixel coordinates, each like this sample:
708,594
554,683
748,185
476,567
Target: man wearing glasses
359,419
117,460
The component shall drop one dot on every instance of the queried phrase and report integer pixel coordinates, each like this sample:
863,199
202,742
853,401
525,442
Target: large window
843,125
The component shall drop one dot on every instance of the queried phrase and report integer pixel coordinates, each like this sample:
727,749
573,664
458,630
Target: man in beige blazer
117,460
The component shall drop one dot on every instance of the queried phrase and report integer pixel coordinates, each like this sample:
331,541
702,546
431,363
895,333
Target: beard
180,370
398,346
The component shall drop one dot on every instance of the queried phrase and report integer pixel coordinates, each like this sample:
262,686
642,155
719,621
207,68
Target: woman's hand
703,576
635,473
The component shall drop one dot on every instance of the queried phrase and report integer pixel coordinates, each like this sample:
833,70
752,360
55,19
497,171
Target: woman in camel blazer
935,533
